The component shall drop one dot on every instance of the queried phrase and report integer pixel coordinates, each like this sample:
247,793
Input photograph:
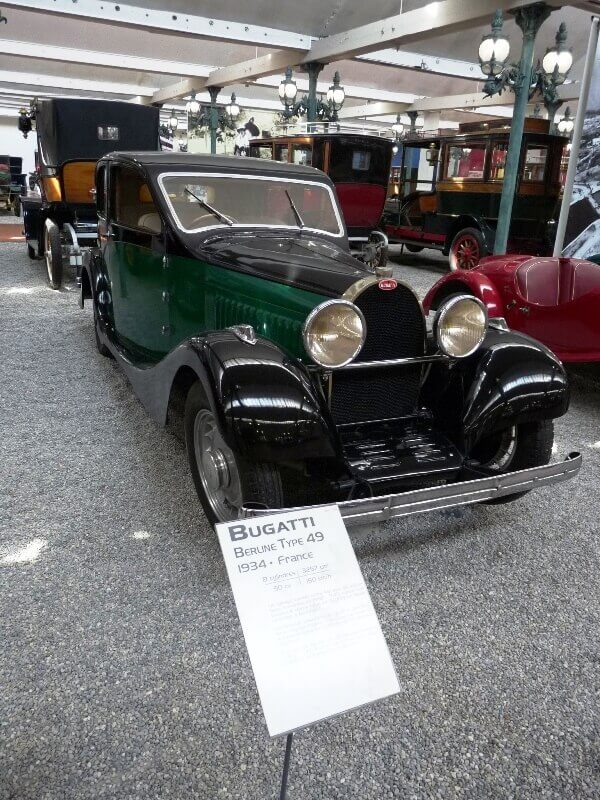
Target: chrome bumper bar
450,495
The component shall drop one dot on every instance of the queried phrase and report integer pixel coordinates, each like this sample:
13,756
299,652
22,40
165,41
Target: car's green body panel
189,296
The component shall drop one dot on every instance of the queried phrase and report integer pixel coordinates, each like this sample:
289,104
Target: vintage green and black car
225,289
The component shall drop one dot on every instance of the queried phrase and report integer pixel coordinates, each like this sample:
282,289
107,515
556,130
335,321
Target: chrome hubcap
48,254
217,468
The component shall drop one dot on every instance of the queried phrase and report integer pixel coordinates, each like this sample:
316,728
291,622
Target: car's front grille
395,329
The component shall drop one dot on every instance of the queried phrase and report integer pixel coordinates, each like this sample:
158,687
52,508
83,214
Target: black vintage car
226,291
72,134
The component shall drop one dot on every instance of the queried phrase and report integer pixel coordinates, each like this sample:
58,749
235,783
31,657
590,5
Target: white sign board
313,637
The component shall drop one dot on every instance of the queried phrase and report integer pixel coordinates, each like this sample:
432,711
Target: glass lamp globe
233,108
566,124
192,106
493,52
336,94
288,89
173,122
397,127
557,63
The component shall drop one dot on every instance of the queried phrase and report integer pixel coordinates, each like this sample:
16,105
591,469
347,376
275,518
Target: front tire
467,249
100,346
518,447
53,254
224,481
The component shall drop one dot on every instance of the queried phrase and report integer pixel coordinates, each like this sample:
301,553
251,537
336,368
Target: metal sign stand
286,766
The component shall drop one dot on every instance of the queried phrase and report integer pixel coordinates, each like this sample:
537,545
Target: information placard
313,637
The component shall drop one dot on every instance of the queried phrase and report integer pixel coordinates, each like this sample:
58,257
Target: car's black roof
166,159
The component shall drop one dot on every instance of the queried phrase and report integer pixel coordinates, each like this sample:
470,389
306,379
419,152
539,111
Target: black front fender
270,407
511,379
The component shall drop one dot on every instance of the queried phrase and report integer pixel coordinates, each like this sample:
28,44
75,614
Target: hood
309,263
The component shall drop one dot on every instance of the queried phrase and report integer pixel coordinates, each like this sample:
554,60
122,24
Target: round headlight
460,326
334,333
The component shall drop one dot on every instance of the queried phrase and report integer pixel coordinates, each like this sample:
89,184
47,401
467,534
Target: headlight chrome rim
443,312
312,316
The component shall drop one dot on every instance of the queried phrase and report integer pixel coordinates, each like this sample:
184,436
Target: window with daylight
534,168
466,162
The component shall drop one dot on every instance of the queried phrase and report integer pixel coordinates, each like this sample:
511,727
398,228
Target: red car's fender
473,282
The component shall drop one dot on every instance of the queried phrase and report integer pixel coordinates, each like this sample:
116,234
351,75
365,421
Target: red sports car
554,300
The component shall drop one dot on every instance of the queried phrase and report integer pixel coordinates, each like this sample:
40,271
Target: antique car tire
532,448
53,254
224,481
100,346
466,250
414,248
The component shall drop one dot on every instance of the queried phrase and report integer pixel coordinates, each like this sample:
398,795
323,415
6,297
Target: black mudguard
511,379
271,410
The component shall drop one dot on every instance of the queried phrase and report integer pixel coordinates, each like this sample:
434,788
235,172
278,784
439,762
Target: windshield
201,201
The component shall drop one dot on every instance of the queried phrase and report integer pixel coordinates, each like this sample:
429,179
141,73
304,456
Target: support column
213,122
313,69
529,19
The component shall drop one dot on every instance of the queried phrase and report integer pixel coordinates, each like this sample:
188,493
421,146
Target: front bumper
418,501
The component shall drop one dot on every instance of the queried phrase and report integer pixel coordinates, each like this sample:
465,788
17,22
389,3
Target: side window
101,190
302,154
281,152
261,151
131,202
318,156
534,168
498,161
466,161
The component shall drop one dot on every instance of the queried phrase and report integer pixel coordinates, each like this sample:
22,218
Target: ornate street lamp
397,128
566,124
335,97
173,121
524,81
310,105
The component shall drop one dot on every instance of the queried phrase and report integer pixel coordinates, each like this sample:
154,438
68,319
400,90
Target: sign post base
286,766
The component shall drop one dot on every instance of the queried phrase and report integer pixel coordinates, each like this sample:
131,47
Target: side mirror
375,254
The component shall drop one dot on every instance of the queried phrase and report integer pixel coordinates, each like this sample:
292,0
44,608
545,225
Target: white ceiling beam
372,110
569,91
404,59
176,90
432,20
264,66
72,55
168,21
41,81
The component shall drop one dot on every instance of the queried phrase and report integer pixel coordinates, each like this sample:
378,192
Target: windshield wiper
299,219
218,214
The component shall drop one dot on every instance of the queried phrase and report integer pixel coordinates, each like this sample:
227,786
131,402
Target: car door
133,246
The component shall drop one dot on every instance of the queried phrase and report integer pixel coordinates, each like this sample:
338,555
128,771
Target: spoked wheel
517,447
53,254
224,481
466,250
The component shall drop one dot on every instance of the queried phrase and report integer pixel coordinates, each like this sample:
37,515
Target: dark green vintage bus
452,203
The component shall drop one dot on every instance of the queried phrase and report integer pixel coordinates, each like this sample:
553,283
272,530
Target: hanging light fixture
336,93
173,121
192,106
558,59
288,89
232,108
494,49
395,149
566,124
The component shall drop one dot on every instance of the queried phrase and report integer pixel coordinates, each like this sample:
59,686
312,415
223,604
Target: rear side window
101,190
131,202
356,162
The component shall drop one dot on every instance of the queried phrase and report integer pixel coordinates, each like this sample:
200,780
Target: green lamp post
524,82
